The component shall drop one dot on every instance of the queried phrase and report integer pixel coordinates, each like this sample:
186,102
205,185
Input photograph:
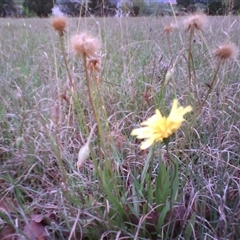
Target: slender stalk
169,43
189,60
194,78
65,61
69,75
191,67
211,86
90,95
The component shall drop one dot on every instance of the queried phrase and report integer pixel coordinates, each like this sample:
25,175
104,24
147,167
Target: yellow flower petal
157,127
147,143
141,132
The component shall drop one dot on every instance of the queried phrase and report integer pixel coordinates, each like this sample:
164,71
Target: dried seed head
94,64
196,21
169,29
226,51
59,24
85,44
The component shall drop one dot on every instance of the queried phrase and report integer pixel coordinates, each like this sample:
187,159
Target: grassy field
51,99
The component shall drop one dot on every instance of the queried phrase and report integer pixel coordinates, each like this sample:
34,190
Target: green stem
174,173
172,197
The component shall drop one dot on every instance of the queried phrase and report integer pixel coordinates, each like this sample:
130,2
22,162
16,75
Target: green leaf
163,215
175,183
145,169
2,109
108,188
190,227
162,184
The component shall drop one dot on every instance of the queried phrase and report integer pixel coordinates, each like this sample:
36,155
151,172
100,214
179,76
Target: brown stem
90,95
65,61
210,86
189,59
169,43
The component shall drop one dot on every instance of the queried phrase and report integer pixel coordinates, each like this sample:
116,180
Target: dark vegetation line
100,8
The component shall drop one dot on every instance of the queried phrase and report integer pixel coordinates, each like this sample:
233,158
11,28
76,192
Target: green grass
120,192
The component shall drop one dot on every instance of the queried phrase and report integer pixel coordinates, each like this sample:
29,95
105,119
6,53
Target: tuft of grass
50,102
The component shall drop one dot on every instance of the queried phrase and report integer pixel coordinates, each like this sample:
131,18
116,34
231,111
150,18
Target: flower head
85,44
59,24
226,51
157,128
94,64
196,21
169,28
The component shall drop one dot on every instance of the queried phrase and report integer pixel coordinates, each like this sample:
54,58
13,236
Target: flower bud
169,75
19,142
83,155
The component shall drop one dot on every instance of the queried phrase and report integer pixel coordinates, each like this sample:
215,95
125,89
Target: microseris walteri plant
59,24
158,128
222,53
86,46
193,23
168,30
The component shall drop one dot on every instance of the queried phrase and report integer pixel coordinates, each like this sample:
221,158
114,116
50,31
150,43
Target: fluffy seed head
59,24
85,44
226,51
196,21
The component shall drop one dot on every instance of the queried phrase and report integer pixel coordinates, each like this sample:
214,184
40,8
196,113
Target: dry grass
113,196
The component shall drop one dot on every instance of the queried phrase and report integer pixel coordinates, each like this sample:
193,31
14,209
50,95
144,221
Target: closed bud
19,142
83,155
169,75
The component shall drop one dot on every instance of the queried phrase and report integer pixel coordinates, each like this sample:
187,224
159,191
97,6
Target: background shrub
42,8
7,8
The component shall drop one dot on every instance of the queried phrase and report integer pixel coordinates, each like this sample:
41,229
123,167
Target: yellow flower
157,128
